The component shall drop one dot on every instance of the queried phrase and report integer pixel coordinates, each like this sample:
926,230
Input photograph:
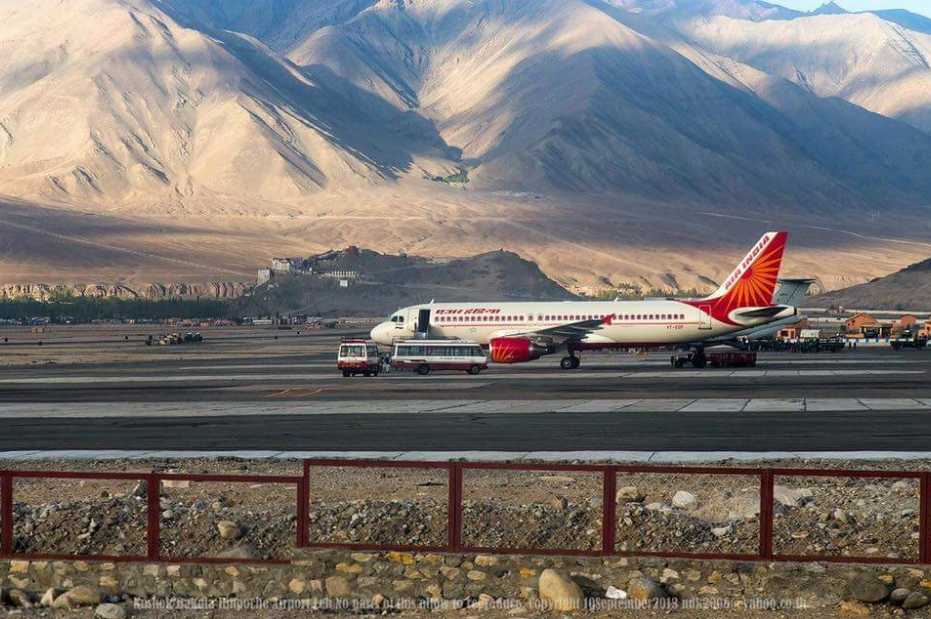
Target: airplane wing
570,331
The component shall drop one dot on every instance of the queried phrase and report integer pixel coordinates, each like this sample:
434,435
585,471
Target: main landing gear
695,356
571,362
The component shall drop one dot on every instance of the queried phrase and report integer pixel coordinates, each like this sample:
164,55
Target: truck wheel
423,370
346,373
474,370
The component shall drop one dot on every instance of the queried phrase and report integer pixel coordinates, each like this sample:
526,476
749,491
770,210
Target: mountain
907,289
114,102
872,62
204,136
829,8
393,281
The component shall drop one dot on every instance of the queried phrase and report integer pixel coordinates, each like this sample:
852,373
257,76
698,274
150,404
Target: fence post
924,518
609,510
153,494
6,513
303,507
454,508
766,514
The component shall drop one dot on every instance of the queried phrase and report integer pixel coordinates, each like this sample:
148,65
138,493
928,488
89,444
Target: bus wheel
366,374
423,370
346,373
474,370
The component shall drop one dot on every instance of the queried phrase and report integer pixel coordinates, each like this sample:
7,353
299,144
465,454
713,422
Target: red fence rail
455,510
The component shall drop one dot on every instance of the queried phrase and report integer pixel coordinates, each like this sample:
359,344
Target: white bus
425,356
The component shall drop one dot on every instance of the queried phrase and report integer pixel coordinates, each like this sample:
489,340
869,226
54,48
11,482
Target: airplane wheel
576,363
567,363
423,370
699,361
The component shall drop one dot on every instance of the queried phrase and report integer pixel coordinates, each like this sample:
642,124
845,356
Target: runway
285,394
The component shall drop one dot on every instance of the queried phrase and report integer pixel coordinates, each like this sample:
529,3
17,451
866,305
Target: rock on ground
559,591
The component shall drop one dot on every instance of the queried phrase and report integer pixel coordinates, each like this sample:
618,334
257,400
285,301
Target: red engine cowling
514,350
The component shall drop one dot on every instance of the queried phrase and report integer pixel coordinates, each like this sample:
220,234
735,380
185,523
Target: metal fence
453,471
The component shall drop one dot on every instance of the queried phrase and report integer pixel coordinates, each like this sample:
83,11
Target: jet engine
514,350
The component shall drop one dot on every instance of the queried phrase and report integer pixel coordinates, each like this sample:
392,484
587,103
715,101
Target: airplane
519,332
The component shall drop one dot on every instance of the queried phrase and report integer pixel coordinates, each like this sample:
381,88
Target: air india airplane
522,332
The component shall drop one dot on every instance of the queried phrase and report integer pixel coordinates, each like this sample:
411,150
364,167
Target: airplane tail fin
753,282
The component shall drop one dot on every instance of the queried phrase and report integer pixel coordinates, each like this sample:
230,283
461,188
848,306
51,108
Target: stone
110,611
48,598
791,497
643,588
337,587
174,571
866,587
378,600
108,582
176,483
19,567
898,595
77,596
559,503
229,529
613,593
476,575
297,586
840,516
243,551
560,592
854,609
629,494
19,599
721,531
486,560
557,479
915,599
484,602
684,500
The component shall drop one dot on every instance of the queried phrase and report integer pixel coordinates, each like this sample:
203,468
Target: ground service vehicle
425,356
358,357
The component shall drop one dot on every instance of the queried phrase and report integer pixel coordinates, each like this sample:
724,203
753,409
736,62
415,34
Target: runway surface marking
655,457
461,407
331,365
203,378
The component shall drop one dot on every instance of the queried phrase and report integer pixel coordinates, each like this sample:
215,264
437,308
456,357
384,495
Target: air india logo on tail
752,283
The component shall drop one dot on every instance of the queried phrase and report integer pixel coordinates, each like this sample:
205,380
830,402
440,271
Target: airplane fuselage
625,323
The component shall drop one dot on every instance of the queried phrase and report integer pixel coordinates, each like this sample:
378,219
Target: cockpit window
397,318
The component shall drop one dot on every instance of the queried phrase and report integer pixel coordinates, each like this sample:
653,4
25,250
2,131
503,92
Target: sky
915,6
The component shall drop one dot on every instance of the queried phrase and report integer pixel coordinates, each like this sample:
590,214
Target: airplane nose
379,334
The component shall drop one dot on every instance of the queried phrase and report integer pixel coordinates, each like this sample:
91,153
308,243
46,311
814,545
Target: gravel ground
506,509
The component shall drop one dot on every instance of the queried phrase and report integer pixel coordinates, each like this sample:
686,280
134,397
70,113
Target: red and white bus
358,357
425,356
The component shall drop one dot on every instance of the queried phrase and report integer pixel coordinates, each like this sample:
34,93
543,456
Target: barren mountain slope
564,94
908,289
112,102
874,63
278,23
